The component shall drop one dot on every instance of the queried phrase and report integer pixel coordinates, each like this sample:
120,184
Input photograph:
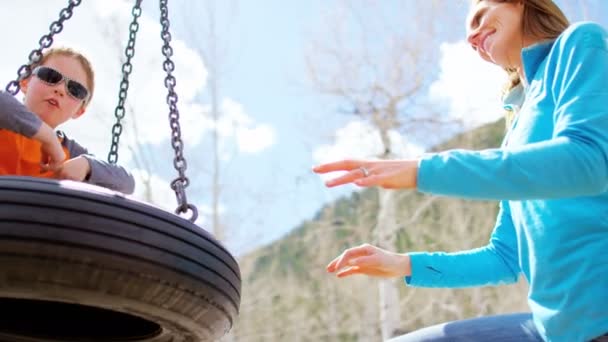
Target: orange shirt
21,156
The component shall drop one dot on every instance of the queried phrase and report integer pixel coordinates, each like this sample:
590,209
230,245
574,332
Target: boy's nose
59,90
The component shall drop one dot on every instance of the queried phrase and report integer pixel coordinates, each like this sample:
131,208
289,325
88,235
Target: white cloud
251,137
256,139
470,86
360,140
154,190
403,148
207,210
356,140
157,191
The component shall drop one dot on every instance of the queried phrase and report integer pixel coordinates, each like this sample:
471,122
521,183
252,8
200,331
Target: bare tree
209,38
377,67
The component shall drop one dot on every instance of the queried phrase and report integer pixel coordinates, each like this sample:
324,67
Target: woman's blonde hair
69,52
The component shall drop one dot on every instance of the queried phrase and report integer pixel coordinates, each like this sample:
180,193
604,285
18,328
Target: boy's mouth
53,102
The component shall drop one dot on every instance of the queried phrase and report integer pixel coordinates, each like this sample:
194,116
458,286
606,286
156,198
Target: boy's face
52,103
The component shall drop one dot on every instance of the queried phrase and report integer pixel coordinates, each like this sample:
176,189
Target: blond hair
84,62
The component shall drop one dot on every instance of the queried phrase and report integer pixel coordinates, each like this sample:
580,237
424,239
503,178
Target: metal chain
45,41
127,67
180,183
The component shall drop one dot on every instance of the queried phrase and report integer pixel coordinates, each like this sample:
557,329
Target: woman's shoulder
587,33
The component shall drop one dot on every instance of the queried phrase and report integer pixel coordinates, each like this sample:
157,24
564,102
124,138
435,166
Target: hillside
287,296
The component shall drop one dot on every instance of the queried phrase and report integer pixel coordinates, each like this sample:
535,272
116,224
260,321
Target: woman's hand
389,174
372,261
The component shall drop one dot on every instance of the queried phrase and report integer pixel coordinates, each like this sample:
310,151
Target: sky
274,125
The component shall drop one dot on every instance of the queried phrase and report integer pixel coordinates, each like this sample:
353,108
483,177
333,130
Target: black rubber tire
64,243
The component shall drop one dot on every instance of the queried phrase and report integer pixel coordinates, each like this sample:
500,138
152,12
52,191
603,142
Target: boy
60,88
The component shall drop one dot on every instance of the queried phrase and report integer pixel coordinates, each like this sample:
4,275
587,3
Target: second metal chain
180,183
127,67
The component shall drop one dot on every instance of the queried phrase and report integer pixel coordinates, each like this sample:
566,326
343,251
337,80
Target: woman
550,176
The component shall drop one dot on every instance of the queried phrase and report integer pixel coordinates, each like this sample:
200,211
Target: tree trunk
388,292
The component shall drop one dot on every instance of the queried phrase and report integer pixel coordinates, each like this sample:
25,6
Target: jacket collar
532,56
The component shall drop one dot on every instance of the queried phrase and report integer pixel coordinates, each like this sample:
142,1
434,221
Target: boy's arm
15,117
102,173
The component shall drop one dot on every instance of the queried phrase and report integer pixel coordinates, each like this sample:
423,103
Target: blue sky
267,76
277,126
275,189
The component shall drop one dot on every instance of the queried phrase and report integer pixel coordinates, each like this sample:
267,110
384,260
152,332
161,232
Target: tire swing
82,263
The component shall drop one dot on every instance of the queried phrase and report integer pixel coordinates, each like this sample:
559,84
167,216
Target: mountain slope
288,296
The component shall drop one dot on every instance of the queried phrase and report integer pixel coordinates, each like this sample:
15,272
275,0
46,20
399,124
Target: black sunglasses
53,77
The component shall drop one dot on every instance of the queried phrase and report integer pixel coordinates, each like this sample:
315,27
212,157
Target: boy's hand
75,169
52,152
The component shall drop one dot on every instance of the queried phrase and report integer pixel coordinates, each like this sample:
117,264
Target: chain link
46,41
180,183
127,67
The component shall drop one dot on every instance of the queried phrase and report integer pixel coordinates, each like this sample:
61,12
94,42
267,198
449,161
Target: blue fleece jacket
551,177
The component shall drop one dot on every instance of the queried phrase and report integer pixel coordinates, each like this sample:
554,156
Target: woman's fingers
395,174
369,181
363,270
331,267
367,265
349,177
365,261
342,165
344,259
370,261
348,271
356,169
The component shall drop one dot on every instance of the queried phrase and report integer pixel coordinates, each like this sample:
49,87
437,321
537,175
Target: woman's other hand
371,261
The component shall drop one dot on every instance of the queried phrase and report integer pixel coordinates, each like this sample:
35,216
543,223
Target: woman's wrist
404,265
415,174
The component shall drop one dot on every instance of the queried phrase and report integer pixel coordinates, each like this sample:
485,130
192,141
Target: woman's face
494,30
